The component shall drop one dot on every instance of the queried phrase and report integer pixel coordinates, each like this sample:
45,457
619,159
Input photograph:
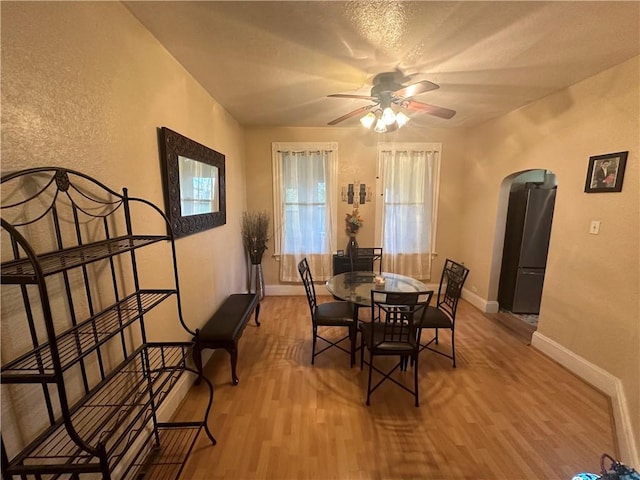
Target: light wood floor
506,411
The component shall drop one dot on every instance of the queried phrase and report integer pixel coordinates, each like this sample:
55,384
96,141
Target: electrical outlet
594,229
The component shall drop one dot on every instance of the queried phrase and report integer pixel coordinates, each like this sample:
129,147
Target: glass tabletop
356,287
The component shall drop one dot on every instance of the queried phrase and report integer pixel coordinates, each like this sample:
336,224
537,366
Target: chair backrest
307,280
451,282
400,313
341,263
364,259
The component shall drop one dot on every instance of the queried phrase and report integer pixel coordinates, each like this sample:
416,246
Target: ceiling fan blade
347,95
430,109
416,89
351,114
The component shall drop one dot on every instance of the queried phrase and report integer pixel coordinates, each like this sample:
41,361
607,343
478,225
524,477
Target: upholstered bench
225,327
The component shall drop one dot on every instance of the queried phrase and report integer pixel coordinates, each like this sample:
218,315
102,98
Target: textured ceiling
274,63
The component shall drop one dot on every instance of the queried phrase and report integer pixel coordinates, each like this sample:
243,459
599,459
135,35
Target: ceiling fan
388,90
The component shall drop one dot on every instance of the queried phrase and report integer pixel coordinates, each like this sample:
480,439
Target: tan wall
357,161
591,302
85,86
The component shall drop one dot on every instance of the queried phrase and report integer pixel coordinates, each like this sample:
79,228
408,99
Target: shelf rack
77,313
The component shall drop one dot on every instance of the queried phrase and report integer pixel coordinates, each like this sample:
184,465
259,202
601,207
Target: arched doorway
521,244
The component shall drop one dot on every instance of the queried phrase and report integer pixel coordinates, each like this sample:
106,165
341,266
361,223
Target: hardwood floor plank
506,411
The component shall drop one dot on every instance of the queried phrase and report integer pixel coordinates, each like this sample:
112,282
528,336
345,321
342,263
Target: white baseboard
174,398
177,394
480,303
603,381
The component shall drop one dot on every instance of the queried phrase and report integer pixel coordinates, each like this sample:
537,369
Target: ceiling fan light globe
368,119
401,119
388,116
380,127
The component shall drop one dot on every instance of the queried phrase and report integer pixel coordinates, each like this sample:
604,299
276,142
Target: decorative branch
255,234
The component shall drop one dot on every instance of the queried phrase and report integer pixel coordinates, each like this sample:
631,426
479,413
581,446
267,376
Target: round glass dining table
356,287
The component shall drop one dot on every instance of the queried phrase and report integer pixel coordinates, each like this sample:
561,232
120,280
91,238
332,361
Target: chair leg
387,375
420,347
369,382
313,345
453,347
353,333
414,357
317,350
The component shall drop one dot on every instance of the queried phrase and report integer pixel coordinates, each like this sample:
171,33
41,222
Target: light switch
594,229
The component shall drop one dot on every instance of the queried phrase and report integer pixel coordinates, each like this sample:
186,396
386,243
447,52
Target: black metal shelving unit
79,360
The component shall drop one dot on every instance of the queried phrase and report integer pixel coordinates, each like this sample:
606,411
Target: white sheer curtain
305,207
409,186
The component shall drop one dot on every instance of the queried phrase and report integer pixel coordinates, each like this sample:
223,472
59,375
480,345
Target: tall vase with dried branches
353,223
255,235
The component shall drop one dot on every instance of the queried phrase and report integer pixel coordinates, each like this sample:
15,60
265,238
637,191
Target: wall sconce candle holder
356,193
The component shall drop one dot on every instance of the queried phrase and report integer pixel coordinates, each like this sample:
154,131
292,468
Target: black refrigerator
526,244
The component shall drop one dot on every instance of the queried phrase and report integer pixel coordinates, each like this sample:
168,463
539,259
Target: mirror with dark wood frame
194,184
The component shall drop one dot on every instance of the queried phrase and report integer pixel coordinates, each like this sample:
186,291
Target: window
305,194
407,209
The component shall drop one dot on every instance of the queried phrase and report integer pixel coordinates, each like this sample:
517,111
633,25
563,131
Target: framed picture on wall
605,173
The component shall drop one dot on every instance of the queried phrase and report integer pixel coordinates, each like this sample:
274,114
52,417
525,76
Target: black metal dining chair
443,314
393,332
328,314
365,259
359,259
